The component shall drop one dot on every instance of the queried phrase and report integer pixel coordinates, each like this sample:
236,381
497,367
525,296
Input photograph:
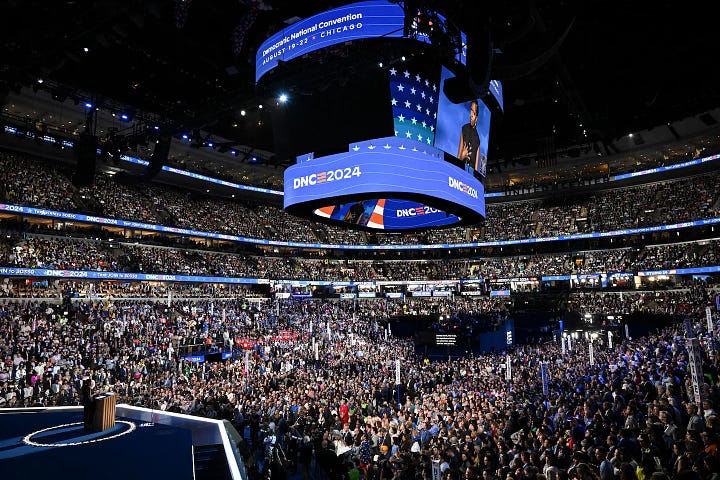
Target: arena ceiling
573,72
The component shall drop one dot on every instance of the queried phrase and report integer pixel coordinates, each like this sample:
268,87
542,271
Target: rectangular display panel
454,132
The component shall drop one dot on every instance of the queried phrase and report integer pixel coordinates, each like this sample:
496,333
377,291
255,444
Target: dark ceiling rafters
618,68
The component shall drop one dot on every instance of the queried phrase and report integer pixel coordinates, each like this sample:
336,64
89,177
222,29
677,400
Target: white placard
708,316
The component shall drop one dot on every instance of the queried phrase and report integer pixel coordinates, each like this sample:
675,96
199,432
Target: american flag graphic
414,102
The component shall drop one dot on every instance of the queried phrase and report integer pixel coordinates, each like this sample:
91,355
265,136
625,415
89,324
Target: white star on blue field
414,102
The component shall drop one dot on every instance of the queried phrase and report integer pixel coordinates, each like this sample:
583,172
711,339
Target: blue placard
356,21
421,293
301,295
442,293
194,358
551,278
499,293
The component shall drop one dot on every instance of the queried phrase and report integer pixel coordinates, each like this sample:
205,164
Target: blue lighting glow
78,217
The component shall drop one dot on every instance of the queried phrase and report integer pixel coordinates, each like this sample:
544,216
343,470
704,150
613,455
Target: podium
104,415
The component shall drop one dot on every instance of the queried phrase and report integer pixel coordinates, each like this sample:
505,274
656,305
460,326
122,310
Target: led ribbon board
357,21
372,19
388,184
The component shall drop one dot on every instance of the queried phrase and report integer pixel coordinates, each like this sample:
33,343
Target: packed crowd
673,302
34,183
43,251
30,182
159,291
628,412
218,215
60,253
113,199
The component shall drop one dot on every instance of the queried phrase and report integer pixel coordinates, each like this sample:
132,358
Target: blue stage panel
157,451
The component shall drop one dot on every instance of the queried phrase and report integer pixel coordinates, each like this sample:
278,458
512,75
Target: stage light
86,49
88,105
380,64
156,127
184,137
233,152
283,98
260,106
210,144
242,113
40,80
124,116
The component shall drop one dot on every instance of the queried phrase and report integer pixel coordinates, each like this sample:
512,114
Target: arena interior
153,245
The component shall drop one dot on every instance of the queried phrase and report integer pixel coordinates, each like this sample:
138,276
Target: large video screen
387,183
388,214
414,101
463,129
371,19
356,21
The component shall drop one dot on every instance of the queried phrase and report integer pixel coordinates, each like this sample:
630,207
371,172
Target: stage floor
52,444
